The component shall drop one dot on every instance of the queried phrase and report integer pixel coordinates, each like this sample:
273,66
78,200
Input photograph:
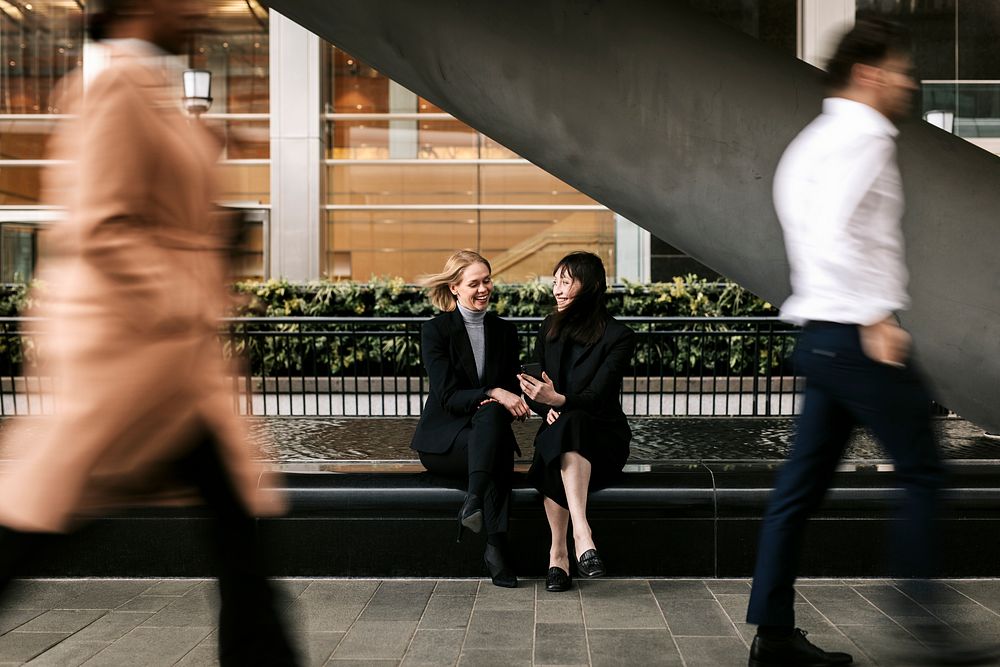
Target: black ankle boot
500,573
471,515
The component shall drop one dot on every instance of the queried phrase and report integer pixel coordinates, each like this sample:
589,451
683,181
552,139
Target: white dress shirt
839,198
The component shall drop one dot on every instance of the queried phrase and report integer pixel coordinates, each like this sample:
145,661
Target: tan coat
133,293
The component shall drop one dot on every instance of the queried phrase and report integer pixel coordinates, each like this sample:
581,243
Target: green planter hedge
298,349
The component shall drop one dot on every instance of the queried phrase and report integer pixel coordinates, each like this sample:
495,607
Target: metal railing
362,366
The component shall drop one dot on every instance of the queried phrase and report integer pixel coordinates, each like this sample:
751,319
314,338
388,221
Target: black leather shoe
793,651
500,573
590,564
471,515
557,580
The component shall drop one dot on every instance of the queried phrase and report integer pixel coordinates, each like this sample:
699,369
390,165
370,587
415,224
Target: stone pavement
340,622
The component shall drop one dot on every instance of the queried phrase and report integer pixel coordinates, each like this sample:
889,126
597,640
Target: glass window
17,252
20,185
234,48
521,244
955,55
39,43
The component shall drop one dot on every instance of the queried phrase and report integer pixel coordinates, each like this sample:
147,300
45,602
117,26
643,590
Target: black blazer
594,381
455,389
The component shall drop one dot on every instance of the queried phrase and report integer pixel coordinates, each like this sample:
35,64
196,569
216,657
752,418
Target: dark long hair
584,320
102,13
869,42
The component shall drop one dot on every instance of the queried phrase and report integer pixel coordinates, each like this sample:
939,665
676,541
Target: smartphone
533,369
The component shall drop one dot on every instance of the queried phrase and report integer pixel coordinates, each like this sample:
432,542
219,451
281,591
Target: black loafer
590,564
557,580
793,651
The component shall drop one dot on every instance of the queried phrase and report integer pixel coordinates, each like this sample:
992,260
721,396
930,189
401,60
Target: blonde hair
439,284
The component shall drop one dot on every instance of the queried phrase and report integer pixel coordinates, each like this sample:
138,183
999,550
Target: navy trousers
845,388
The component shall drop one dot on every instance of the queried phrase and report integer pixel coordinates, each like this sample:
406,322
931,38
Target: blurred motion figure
135,287
839,197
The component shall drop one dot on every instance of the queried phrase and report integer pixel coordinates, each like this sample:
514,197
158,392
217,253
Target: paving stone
828,593
13,618
376,640
628,611
447,611
290,588
971,619
563,610
680,590
36,594
811,619
69,653
200,656
613,648
932,592
884,645
23,646
199,607
330,606
102,593
596,589
62,620
712,651
560,644
175,587
398,601
457,587
728,586
853,613
495,658
891,600
362,663
111,627
697,618
431,648
315,648
500,630
735,607
495,598
150,647
147,603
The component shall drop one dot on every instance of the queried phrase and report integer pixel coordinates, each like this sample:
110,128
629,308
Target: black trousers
844,388
485,445
251,629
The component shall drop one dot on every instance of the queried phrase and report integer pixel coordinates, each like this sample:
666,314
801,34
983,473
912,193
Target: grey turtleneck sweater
477,336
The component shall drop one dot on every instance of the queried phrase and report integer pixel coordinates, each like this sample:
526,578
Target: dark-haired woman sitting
583,443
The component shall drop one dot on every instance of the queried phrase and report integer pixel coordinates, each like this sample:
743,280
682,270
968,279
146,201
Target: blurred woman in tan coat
135,289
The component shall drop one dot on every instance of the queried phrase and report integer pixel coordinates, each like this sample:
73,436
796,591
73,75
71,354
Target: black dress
591,422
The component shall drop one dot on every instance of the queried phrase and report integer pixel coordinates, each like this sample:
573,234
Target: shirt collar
864,116
137,47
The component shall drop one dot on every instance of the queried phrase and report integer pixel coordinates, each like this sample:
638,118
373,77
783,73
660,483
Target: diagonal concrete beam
677,122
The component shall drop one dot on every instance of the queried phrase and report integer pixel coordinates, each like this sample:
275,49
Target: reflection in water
288,439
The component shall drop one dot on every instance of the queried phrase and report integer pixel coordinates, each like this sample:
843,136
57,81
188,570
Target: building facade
346,174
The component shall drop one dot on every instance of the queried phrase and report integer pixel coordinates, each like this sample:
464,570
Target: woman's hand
542,390
551,417
515,404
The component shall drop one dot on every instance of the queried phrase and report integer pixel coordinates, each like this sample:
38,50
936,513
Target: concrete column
821,24
296,234
402,133
632,255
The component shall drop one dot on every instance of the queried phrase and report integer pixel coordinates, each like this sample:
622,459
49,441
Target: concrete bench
663,519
